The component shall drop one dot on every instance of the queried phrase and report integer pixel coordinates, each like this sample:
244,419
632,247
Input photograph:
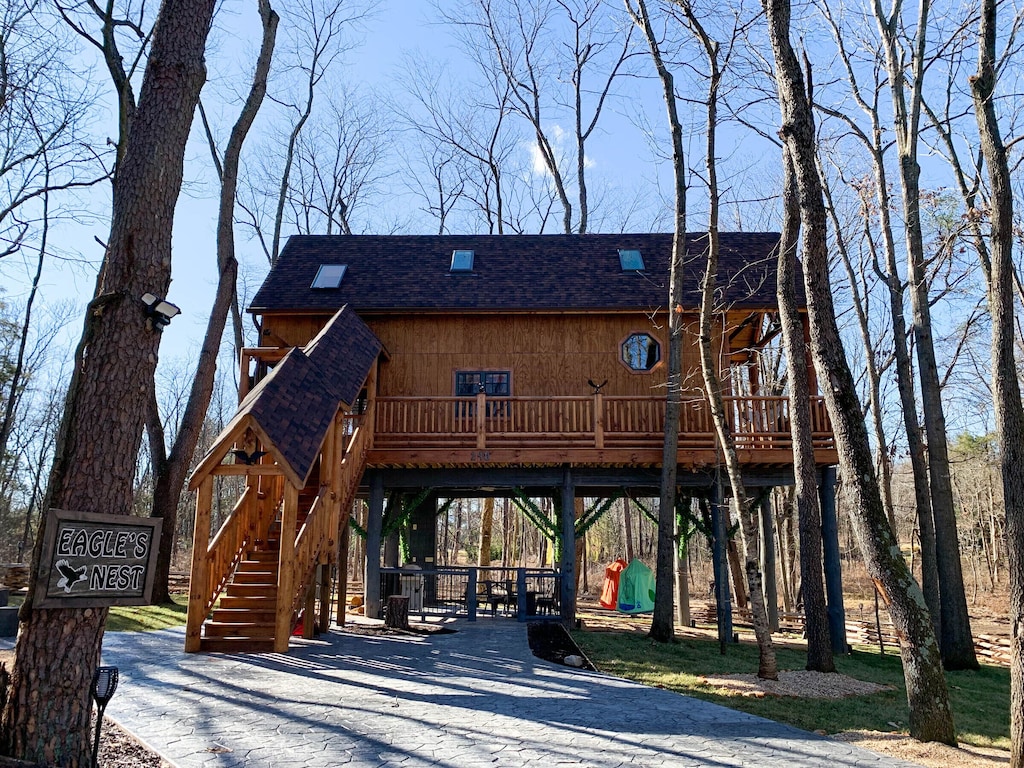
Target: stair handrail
236,535
323,519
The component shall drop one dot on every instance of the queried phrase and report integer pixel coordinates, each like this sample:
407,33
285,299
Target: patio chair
501,595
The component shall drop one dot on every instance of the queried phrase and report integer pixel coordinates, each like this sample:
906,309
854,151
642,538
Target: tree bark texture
930,717
819,641
46,715
1005,386
171,473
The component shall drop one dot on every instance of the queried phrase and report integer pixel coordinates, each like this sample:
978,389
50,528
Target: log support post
771,587
833,565
343,556
286,569
323,619
200,563
568,564
374,526
723,601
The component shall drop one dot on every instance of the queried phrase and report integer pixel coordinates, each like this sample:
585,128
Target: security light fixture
160,310
104,683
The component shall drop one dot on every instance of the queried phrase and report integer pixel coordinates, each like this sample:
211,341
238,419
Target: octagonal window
641,352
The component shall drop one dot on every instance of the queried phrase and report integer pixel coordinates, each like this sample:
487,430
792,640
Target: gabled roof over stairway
291,409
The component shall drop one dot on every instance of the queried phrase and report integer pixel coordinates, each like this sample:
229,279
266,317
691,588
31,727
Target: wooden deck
596,430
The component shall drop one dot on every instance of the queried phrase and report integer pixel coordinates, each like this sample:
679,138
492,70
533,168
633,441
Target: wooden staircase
258,573
243,621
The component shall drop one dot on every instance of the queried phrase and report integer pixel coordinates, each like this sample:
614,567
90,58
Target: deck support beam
345,544
374,527
723,601
771,587
833,565
200,564
567,593
286,569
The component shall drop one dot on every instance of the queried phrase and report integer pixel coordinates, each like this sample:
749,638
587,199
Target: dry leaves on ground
823,685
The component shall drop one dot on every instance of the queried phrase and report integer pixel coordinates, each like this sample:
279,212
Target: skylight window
631,260
329,276
462,261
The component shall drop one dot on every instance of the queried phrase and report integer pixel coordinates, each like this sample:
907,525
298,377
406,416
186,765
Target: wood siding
552,354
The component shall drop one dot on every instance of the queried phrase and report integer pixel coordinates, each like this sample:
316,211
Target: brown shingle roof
510,272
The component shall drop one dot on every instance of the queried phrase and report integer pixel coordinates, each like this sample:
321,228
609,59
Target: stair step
250,629
261,603
241,615
246,576
263,555
250,590
235,645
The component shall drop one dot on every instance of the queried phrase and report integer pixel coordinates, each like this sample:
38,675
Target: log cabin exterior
468,365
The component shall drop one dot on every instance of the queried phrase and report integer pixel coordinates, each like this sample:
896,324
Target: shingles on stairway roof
344,351
296,402
511,272
294,405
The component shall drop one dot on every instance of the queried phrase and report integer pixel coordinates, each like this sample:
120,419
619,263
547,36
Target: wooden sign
93,561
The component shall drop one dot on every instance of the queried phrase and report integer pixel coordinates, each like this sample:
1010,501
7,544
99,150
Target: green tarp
636,588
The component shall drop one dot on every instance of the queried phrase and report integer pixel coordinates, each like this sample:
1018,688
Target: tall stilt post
343,559
374,526
568,564
723,602
771,587
833,566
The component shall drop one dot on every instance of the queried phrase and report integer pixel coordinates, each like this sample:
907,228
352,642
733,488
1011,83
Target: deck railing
599,421
526,594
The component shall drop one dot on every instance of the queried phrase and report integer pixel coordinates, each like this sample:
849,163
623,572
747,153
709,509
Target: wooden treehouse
454,366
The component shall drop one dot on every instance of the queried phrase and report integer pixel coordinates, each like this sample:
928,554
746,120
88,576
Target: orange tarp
610,592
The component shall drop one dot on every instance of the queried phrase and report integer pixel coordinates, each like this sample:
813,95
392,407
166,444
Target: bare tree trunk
955,641
732,553
1005,385
874,376
662,628
819,641
169,472
94,463
930,717
882,203
15,381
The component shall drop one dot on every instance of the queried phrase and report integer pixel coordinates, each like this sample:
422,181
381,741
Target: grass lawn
141,618
980,700
148,617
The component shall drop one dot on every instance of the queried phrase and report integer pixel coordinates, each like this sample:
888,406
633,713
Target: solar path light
104,683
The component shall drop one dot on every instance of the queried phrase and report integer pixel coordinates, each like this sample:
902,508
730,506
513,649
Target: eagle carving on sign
69,575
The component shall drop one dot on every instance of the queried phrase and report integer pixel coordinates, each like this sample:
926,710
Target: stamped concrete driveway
465,700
